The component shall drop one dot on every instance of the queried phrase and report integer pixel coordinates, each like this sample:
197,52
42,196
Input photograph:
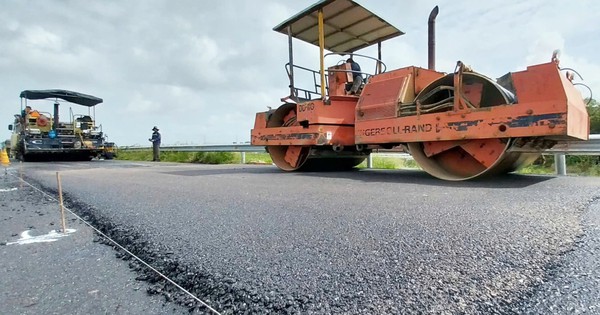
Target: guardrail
590,147
213,148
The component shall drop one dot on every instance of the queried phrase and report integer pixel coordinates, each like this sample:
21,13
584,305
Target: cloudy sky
201,69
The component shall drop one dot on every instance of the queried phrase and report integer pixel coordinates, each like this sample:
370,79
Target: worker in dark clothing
357,78
155,144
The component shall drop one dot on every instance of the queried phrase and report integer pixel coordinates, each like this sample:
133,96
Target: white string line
124,249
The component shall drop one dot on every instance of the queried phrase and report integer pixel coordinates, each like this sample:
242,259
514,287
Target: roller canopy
69,96
348,26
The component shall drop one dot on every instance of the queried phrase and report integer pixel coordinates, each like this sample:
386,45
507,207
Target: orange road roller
457,126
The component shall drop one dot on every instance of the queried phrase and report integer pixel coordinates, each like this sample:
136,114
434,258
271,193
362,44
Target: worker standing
155,144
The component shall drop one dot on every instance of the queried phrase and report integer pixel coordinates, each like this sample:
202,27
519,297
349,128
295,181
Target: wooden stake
60,200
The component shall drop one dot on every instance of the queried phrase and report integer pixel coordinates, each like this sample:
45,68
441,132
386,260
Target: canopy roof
347,26
69,96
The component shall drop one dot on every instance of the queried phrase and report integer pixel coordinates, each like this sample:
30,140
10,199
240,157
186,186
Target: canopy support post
322,51
378,58
291,56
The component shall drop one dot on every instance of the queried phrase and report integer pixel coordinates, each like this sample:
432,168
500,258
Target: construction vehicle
457,126
40,135
109,151
6,146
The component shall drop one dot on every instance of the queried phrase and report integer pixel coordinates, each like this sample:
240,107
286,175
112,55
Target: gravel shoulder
73,274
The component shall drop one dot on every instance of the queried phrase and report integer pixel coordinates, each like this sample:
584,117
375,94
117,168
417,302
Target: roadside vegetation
196,157
576,165
182,157
594,111
391,163
580,165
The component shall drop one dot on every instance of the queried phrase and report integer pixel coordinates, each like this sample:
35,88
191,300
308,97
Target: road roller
458,125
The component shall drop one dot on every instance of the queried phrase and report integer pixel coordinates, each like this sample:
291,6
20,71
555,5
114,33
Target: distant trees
594,112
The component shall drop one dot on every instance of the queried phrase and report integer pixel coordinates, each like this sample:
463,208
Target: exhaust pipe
55,124
431,38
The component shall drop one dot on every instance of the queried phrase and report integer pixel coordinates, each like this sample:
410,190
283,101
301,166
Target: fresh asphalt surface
251,239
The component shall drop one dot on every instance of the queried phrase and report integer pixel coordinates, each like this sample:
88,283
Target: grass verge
182,157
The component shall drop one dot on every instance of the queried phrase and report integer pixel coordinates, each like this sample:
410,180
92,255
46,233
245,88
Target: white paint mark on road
46,238
8,189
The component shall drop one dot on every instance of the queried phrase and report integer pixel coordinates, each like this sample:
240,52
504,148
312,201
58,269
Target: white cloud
37,38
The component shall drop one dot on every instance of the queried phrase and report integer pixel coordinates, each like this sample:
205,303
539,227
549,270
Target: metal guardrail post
370,161
560,164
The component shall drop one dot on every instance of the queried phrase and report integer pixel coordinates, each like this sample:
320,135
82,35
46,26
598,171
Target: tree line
594,111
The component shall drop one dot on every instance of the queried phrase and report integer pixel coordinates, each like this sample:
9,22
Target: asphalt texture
573,287
254,240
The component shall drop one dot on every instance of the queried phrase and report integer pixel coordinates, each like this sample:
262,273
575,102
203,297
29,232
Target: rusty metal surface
380,98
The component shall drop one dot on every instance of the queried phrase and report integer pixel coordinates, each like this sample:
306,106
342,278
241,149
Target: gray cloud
200,70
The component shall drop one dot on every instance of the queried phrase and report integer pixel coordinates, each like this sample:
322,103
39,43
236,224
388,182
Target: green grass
537,169
128,155
182,157
196,157
581,170
389,163
576,165
257,158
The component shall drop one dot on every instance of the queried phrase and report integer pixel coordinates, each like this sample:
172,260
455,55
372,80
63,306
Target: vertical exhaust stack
55,125
431,38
